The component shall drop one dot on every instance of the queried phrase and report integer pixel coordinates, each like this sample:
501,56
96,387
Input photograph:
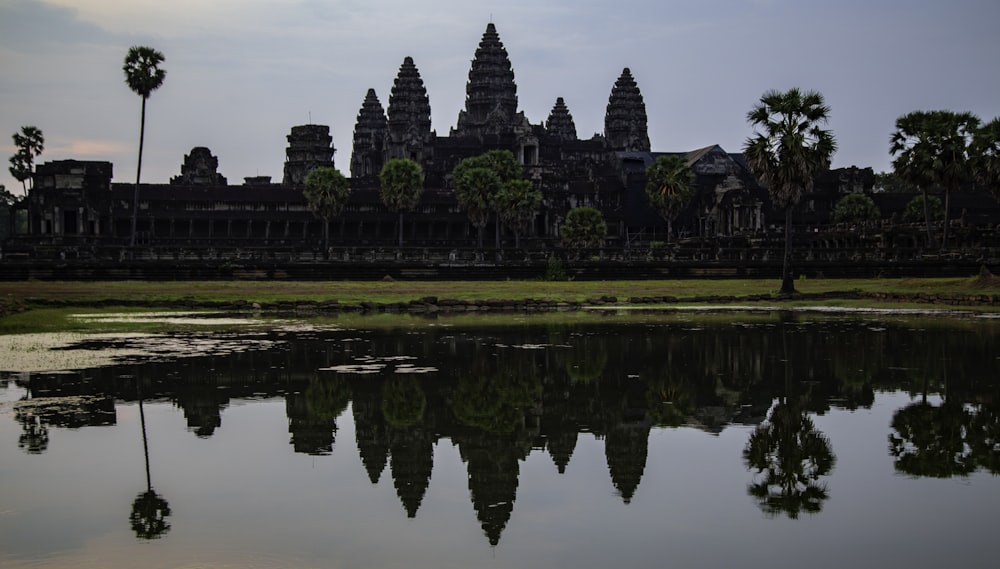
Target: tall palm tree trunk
400,228
787,283
927,221
947,202
145,444
138,173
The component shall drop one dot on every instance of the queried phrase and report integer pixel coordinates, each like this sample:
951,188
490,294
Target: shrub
855,208
914,212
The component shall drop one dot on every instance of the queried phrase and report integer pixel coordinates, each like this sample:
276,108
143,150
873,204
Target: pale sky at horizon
241,73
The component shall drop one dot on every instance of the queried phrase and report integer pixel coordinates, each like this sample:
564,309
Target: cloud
87,148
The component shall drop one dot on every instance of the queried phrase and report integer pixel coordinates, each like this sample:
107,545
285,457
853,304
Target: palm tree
475,189
517,204
326,190
986,156
933,149
402,183
143,75
480,198
669,187
787,151
30,143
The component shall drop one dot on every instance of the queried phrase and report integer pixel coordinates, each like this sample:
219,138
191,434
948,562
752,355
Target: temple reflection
500,394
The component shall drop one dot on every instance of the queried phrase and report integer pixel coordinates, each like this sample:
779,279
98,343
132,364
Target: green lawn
353,292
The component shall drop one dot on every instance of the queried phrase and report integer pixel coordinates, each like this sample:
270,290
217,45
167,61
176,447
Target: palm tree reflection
931,441
149,510
790,457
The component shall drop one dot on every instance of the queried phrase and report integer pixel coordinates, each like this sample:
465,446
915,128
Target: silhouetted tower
311,433
625,120
369,138
370,429
560,122
625,447
490,94
493,478
310,146
200,168
409,121
411,462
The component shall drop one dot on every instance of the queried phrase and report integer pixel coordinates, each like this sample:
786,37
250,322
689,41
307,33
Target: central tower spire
490,94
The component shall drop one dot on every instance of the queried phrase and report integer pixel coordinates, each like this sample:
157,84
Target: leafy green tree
517,203
933,149
583,227
855,208
478,194
786,152
919,209
143,76
402,184
326,191
986,156
29,143
669,187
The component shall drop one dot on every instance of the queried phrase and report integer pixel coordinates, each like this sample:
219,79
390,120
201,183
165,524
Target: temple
76,203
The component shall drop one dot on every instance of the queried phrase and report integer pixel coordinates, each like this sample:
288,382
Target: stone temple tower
490,94
625,120
310,146
369,138
409,123
560,123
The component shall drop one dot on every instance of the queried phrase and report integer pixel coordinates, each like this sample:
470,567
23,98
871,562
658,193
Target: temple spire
625,121
409,121
490,94
560,122
369,138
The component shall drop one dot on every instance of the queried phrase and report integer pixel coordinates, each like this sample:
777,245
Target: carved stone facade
490,94
198,209
200,168
310,146
369,138
409,122
560,122
625,122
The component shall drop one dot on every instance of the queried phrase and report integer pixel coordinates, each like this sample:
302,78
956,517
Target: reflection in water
957,436
500,394
790,457
149,510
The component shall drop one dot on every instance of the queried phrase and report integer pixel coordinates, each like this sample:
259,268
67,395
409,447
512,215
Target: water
573,441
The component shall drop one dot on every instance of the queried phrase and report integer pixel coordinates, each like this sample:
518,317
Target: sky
241,73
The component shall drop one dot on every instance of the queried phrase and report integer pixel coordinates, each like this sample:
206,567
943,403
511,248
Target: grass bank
353,292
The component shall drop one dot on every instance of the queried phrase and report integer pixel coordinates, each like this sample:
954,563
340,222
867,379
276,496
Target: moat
543,440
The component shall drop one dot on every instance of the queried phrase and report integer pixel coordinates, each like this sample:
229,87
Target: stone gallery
77,203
